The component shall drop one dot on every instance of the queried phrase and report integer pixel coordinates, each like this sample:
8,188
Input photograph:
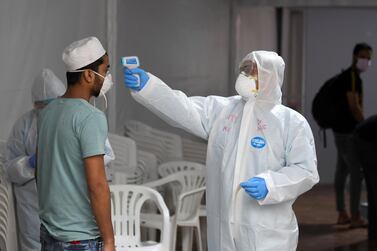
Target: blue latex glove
255,188
32,161
131,82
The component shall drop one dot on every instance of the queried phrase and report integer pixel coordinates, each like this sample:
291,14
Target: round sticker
258,142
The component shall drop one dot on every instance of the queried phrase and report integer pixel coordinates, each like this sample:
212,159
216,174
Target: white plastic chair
173,188
8,230
192,187
126,204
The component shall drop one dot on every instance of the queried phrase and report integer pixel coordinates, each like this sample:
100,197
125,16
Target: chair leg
173,240
198,237
203,230
187,238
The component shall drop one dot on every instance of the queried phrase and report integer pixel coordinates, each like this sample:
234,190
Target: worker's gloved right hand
32,161
130,81
255,187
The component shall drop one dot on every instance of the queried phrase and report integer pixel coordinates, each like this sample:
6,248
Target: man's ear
88,76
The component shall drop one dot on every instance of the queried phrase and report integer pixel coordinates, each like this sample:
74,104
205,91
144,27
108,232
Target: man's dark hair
74,77
361,46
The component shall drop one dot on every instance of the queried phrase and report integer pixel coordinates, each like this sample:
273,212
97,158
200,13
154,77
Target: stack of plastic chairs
3,144
124,169
8,230
148,161
165,146
194,151
126,204
192,188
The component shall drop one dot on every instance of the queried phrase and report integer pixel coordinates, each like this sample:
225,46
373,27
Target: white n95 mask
363,64
107,84
246,86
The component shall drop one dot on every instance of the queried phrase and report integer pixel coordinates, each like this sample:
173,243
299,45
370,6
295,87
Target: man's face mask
107,82
363,64
106,86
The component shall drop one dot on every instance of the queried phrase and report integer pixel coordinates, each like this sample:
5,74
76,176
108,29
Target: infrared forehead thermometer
131,62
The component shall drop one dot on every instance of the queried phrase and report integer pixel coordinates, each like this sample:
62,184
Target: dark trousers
348,164
367,152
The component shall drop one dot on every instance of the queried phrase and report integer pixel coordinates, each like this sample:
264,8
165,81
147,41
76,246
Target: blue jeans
50,244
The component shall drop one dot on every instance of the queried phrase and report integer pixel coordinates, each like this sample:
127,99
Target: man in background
350,91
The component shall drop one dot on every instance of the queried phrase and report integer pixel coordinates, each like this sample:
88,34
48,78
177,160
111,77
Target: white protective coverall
21,145
286,159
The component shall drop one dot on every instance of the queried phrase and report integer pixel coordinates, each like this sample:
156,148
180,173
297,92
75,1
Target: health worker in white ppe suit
21,159
261,154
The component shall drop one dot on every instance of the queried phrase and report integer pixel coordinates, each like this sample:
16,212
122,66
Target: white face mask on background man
363,64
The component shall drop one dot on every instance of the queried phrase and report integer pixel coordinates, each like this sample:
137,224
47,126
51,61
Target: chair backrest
126,205
8,230
171,167
179,183
188,205
131,177
125,152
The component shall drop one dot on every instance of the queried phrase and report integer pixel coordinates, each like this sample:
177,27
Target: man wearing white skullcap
74,196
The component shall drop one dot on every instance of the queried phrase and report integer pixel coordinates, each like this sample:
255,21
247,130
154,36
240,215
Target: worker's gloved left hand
32,161
255,188
130,81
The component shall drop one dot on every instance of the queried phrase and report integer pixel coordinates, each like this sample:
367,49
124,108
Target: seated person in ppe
261,154
21,160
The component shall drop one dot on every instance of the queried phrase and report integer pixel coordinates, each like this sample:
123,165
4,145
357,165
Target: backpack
326,106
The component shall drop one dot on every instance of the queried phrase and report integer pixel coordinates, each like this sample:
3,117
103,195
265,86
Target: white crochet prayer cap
82,53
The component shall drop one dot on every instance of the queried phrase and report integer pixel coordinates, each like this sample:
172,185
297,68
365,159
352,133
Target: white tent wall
330,35
185,43
255,28
33,35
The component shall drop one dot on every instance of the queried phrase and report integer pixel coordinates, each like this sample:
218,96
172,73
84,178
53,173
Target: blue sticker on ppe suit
258,142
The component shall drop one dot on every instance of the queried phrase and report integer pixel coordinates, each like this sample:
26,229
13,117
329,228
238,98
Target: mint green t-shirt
69,130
